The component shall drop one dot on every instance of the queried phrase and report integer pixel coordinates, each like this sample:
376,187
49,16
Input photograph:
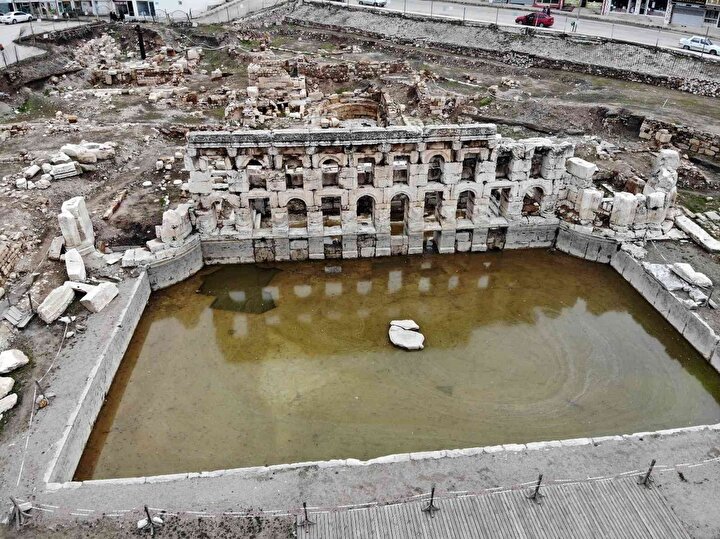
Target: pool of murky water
266,364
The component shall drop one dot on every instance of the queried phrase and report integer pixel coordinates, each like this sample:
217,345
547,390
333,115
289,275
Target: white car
378,3
700,44
13,17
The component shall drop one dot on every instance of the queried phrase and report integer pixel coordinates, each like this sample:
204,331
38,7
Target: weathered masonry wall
187,261
107,347
298,194
686,138
314,194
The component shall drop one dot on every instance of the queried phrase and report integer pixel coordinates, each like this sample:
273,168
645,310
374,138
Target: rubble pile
437,101
78,242
272,92
646,214
110,66
71,160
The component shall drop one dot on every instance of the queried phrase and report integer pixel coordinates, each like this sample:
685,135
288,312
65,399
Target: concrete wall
186,262
111,350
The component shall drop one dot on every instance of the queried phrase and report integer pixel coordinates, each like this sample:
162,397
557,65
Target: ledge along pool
266,364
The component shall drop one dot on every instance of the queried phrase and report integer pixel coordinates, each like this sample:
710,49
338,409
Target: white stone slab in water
404,338
405,324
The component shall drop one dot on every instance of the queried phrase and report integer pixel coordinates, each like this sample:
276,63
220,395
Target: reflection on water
292,363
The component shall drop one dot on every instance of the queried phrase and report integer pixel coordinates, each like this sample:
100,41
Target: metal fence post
497,15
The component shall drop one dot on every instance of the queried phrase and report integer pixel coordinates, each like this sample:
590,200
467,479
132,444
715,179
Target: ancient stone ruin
301,194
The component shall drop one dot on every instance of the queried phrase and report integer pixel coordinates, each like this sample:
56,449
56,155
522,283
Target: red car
536,19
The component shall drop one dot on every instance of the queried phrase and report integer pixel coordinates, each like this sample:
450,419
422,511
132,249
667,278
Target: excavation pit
253,365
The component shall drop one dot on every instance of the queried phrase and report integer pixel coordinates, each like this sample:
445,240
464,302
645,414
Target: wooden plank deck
612,508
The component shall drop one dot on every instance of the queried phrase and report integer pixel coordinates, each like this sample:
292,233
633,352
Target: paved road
10,32
506,16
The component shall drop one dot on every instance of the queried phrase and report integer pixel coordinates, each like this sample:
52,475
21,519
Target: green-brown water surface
248,365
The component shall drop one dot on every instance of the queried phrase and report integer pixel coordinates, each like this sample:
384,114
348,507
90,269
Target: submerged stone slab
99,297
11,360
55,303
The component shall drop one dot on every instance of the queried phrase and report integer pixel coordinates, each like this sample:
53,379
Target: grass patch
37,106
215,59
250,43
279,41
484,102
697,202
327,47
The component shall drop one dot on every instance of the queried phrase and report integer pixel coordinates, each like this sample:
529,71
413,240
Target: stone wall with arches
326,193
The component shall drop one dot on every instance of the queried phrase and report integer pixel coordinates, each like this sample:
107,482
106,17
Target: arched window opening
330,173
297,213
466,205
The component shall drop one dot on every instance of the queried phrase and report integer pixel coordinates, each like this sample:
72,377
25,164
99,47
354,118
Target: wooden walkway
598,509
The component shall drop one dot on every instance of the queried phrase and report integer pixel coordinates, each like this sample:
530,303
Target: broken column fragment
55,303
75,266
176,225
99,297
76,226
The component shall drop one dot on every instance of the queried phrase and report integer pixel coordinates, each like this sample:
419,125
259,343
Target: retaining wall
584,245
187,261
112,348
688,323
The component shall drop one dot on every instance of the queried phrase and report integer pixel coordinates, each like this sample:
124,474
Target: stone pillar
623,211
587,204
76,226
349,246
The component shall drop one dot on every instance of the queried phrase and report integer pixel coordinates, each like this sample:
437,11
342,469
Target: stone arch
466,204
297,213
241,161
330,171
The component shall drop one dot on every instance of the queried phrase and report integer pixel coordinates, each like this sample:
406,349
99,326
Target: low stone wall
109,355
686,138
186,262
582,244
688,323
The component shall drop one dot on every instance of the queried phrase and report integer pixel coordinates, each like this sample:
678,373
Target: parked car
13,17
378,3
536,19
700,44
